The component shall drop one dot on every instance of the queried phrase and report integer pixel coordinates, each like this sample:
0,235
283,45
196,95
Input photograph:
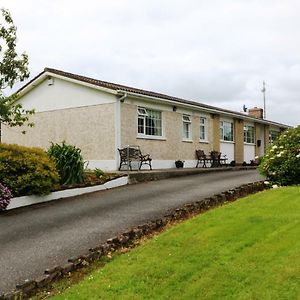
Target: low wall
33,199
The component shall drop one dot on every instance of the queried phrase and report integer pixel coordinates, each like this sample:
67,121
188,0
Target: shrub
281,164
69,162
5,196
27,171
98,172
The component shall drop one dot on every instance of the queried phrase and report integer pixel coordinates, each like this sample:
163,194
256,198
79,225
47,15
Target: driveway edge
128,238
154,175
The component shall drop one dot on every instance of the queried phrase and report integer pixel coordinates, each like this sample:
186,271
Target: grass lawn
249,249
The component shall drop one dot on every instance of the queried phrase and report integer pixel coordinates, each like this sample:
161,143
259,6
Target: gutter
43,76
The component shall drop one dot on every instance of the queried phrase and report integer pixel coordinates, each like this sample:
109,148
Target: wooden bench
133,153
202,158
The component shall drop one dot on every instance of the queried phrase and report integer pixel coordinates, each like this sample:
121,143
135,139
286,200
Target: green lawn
249,249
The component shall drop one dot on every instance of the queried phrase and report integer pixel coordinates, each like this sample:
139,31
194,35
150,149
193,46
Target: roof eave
45,74
203,108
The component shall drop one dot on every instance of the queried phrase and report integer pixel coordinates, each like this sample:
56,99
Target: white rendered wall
63,94
227,148
249,152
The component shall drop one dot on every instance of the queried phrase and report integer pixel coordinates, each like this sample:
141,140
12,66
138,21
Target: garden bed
91,180
108,181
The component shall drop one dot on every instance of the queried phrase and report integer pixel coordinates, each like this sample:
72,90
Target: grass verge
245,250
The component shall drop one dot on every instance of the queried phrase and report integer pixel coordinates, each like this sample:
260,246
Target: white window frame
203,125
246,136
224,125
186,127
143,114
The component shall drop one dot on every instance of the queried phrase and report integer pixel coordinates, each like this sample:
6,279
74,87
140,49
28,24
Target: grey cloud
217,52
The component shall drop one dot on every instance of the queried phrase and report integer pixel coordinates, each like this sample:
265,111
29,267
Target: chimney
256,112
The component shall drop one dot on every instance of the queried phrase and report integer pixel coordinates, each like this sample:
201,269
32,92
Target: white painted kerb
29,200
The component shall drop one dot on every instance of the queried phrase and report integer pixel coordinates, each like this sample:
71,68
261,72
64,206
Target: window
226,131
149,122
187,122
203,129
249,134
274,134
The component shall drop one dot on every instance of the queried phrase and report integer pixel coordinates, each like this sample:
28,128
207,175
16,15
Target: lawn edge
129,238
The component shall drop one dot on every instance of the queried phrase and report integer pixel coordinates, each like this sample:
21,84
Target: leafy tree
13,68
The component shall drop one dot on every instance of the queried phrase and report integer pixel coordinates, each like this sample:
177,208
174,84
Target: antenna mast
264,95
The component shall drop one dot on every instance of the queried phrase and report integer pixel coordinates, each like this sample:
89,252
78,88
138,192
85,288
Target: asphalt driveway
42,236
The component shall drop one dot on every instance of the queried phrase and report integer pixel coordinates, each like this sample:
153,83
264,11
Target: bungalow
99,117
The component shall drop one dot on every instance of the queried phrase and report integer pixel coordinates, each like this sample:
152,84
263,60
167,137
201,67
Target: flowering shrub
5,196
281,164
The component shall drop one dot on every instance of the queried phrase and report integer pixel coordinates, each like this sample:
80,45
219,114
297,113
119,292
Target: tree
13,69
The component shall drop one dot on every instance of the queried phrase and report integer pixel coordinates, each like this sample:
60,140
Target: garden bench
133,153
217,160
202,158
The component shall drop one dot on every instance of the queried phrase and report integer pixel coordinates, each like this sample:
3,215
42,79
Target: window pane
186,130
202,128
141,125
226,131
186,126
249,134
151,123
142,111
273,135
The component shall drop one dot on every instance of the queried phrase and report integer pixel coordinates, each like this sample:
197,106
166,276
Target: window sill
204,141
187,141
249,144
227,142
150,137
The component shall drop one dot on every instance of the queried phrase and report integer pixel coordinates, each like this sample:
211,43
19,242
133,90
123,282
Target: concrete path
42,236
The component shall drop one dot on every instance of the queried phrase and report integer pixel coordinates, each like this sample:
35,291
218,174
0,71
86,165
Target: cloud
216,52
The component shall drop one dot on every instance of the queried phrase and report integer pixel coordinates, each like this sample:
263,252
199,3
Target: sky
213,52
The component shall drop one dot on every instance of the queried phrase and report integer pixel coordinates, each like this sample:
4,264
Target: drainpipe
122,98
118,140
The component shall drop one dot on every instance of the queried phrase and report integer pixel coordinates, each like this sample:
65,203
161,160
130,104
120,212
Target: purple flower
5,196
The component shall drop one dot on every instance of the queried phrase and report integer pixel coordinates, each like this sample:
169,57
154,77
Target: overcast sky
214,52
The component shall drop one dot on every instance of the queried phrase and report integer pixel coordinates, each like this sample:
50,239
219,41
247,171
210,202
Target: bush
5,196
69,162
98,173
27,171
281,164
